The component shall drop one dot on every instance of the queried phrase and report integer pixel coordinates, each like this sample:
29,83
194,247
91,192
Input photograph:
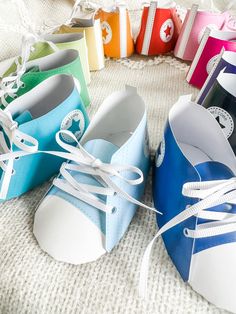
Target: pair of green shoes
52,55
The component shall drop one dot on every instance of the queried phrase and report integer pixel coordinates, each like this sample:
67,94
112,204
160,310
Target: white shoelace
10,85
84,163
102,172
210,193
84,5
25,143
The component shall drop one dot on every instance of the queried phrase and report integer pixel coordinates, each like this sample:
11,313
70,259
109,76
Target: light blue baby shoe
195,189
28,128
93,201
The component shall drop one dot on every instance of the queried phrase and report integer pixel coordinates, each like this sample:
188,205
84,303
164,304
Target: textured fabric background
33,283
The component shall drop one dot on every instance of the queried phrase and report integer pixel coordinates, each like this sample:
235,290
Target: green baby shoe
48,44
75,41
36,71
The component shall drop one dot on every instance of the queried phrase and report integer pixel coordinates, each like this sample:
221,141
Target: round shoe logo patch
224,119
167,31
201,33
211,64
75,123
160,153
106,32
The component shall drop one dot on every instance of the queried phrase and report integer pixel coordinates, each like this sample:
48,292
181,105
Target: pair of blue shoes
93,199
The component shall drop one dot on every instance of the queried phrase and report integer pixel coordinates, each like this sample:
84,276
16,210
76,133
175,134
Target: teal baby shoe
28,128
36,71
92,202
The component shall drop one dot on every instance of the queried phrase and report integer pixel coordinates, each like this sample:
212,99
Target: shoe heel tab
185,98
77,84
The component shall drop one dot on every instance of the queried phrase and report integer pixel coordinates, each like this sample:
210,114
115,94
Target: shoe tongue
101,149
24,117
213,170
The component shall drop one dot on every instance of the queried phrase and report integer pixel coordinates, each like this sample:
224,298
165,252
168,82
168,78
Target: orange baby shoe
116,31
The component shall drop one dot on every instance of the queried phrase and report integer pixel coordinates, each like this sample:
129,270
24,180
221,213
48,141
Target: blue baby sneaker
28,128
195,188
93,201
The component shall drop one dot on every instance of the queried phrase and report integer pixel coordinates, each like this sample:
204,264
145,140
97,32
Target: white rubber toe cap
65,233
213,275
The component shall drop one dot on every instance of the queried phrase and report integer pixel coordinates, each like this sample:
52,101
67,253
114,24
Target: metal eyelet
23,85
13,172
228,207
185,232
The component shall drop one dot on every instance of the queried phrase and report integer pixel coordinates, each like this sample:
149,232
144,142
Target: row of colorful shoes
94,31
98,189
201,39
113,23
198,36
102,166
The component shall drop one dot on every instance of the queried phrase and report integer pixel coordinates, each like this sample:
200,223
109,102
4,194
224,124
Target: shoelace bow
10,85
13,136
84,163
102,172
210,193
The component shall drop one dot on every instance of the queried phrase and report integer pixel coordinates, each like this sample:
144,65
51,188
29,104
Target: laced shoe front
93,200
28,128
195,189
